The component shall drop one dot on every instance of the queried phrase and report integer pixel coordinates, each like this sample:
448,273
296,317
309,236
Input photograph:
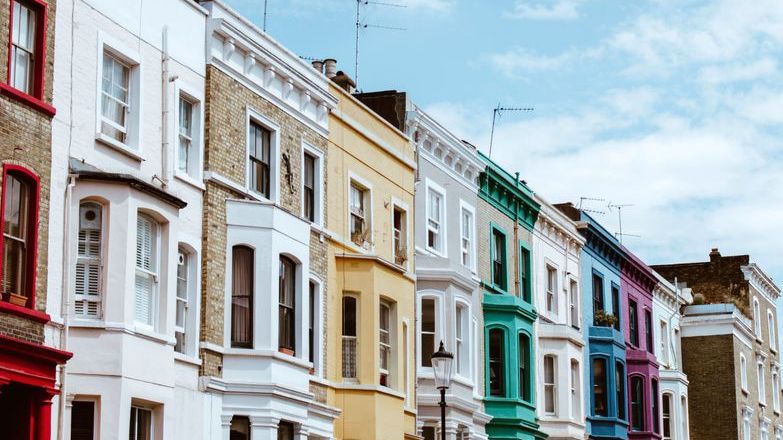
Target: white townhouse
125,218
668,300
560,337
265,258
447,286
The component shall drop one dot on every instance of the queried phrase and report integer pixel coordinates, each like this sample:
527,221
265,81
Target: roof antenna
362,25
497,112
619,208
265,4
590,199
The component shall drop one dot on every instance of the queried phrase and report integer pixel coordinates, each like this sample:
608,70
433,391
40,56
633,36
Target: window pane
15,224
82,420
600,407
287,316
497,380
242,297
427,331
619,379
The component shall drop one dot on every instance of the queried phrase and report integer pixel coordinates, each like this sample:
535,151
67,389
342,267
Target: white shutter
145,270
88,264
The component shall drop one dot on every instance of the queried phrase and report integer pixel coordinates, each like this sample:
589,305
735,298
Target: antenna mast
498,111
619,208
265,5
360,25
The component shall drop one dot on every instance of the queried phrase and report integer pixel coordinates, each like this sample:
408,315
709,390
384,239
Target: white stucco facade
667,302
126,218
560,403
446,277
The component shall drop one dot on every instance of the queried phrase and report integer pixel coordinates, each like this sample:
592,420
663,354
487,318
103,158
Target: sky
672,106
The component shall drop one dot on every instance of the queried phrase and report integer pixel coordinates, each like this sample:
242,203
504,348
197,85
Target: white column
263,428
301,433
225,426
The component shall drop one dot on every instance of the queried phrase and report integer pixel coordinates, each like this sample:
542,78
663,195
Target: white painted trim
370,209
196,98
430,185
253,115
319,178
463,205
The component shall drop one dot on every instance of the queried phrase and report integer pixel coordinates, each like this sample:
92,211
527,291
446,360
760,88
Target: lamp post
441,367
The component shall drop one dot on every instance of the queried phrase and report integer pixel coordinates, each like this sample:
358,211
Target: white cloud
738,71
550,10
518,61
434,5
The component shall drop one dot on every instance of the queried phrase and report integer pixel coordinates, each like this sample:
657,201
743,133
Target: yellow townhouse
370,307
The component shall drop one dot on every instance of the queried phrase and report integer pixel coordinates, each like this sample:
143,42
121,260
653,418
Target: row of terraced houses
206,237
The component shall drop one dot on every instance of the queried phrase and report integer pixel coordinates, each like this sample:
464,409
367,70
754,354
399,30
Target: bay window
385,350
427,331
461,357
89,262
600,390
667,416
287,310
242,260
637,404
147,247
550,385
497,362
525,384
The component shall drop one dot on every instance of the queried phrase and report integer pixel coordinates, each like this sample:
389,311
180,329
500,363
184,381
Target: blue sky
674,106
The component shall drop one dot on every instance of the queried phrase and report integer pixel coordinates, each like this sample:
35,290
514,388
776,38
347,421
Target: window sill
119,146
184,358
24,312
192,181
28,100
437,253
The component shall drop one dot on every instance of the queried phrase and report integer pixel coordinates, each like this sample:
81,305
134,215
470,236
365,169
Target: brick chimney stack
714,255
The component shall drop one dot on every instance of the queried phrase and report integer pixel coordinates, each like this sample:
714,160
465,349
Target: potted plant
605,319
401,256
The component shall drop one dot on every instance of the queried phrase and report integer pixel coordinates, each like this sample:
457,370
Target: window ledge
192,181
28,100
119,146
436,253
184,358
24,312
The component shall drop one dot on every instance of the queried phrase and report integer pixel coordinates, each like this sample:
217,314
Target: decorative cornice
443,148
507,194
633,268
761,282
558,228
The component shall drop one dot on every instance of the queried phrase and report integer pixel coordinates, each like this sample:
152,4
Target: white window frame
573,303
99,298
318,182
772,331
438,301
253,115
388,347
776,390
465,207
664,341
760,372
551,294
154,273
398,204
743,373
132,147
441,247
366,187
191,317
194,175
462,346
575,384
746,413
151,412
318,336
757,319
549,385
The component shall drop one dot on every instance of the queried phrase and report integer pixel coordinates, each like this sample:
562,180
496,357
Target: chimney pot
714,254
318,65
330,64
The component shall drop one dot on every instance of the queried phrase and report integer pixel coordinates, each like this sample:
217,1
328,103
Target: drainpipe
516,240
164,151
65,304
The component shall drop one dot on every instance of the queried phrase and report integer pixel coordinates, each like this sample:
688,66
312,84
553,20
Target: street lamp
441,367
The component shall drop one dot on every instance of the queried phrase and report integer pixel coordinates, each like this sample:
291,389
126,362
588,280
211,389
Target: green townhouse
507,213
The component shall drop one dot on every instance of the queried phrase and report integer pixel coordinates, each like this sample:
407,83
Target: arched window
576,400
637,403
667,416
771,326
384,336
757,317
88,289
20,218
743,372
461,338
497,360
550,384
524,368
242,297
600,403
349,337
147,245
287,305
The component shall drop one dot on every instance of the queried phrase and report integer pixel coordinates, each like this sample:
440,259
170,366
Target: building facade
603,318
31,344
560,342
667,302
637,284
371,365
507,213
125,258
264,261
730,348
448,301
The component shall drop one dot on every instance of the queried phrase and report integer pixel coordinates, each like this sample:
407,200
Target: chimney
344,81
331,67
714,255
318,65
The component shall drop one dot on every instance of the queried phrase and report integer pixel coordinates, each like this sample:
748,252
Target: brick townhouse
730,348
28,359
